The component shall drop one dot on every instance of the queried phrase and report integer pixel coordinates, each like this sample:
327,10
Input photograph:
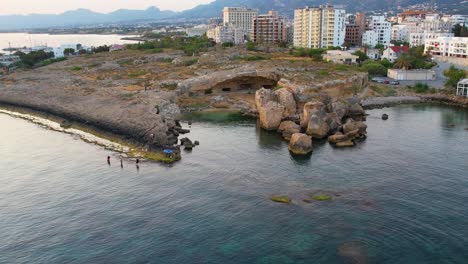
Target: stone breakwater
381,102
339,120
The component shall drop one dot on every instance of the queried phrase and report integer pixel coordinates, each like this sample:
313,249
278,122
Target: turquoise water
399,197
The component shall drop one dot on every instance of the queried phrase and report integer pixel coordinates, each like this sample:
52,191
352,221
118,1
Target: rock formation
300,144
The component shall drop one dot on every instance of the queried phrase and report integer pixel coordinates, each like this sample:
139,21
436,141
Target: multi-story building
419,39
319,27
239,17
400,33
382,28
447,47
224,34
355,28
370,39
269,28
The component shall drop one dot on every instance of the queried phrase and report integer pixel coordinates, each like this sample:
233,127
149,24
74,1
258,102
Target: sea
400,196
31,40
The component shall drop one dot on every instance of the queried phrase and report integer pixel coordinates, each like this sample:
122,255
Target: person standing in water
108,160
138,165
121,161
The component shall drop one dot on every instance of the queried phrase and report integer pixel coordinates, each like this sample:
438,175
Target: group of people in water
137,162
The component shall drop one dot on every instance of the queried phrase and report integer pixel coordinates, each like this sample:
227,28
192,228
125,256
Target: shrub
256,58
374,68
76,68
251,46
227,44
454,75
420,88
136,74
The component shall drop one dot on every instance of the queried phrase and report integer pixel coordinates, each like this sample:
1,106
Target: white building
59,52
319,27
411,75
373,54
447,47
196,31
462,88
239,17
340,57
400,33
392,53
224,34
370,38
382,28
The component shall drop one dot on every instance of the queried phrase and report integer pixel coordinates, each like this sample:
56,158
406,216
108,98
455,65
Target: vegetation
421,88
460,31
384,90
136,74
454,75
315,54
251,46
68,51
227,44
361,54
374,68
34,57
99,49
76,68
53,60
255,58
190,45
414,59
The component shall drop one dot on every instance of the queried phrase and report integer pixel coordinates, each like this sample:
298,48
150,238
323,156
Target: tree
361,54
460,31
386,63
403,62
380,47
374,68
454,75
68,51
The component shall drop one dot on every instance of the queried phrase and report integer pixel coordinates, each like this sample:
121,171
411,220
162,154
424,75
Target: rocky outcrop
300,144
288,128
273,107
317,127
286,99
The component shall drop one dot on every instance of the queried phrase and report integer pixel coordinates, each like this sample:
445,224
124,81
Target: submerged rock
281,199
384,117
300,144
345,144
338,137
321,197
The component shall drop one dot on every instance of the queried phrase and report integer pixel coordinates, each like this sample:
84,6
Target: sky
9,7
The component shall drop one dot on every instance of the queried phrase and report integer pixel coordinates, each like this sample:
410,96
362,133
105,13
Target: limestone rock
288,128
352,125
286,99
300,144
312,108
340,108
338,137
271,115
344,144
262,97
317,127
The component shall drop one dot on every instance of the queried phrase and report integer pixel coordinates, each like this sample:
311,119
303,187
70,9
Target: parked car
377,79
395,83
386,82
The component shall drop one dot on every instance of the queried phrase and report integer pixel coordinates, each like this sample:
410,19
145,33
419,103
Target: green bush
454,75
251,46
256,58
420,88
76,68
374,68
315,54
227,44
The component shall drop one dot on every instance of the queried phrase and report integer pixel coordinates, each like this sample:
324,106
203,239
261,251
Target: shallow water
398,197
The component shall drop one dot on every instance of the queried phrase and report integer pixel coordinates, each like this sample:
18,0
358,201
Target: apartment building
239,17
269,28
370,39
224,34
319,27
400,33
382,28
355,28
447,47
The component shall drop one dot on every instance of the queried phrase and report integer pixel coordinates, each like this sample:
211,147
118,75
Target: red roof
400,49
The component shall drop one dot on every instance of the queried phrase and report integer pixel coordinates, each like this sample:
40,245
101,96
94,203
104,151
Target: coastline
383,102
88,133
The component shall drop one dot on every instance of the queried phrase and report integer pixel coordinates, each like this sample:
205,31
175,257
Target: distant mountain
287,6
214,9
80,17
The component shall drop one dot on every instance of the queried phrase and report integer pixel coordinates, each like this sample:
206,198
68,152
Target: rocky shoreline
382,102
